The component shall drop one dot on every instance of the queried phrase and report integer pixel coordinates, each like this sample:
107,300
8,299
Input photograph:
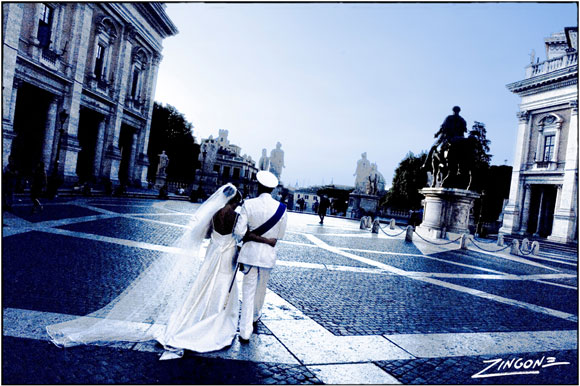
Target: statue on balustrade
264,162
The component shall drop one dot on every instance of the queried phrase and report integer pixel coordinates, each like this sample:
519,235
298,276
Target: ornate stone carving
574,106
156,59
139,55
106,25
131,34
523,116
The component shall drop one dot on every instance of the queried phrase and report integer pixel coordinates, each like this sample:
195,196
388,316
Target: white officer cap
267,179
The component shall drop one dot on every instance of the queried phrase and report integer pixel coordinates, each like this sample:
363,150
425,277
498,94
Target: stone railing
49,55
547,66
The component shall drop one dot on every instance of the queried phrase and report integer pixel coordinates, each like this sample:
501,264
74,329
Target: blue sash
265,227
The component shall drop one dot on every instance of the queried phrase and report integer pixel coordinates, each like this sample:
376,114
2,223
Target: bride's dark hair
236,199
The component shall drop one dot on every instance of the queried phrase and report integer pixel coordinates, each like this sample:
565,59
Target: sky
330,81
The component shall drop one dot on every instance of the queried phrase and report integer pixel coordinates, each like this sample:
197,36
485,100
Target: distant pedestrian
301,204
9,179
315,207
38,186
322,208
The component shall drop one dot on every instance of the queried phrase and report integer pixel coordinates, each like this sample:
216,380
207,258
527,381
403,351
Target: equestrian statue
451,158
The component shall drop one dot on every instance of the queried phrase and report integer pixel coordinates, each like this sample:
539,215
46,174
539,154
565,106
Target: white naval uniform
261,257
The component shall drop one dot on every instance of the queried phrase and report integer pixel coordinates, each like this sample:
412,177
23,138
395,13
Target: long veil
141,312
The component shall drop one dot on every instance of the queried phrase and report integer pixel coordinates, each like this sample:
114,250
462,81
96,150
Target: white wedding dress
208,318
181,300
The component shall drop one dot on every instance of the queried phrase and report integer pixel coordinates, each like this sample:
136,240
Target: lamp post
479,230
55,179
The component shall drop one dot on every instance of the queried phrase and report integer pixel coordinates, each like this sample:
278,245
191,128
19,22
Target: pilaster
49,133
11,28
565,215
99,146
511,218
83,14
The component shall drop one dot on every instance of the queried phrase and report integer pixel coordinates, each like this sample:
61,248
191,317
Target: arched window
106,34
139,64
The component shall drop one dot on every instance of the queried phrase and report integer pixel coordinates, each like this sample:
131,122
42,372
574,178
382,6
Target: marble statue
264,162
376,181
163,162
277,160
362,173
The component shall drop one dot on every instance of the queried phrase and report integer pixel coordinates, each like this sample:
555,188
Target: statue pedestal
205,182
160,180
360,204
446,210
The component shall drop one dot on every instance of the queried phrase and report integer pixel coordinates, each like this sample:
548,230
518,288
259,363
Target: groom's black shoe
244,341
255,326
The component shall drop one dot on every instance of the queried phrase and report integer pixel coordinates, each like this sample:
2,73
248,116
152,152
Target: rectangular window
236,173
45,26
216,168
549,147
100,61
226,172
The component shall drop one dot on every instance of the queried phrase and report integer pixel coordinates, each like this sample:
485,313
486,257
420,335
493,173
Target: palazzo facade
221,162
543,198
78,87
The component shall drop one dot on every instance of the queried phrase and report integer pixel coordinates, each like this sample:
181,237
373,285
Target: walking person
9,180
265,217
38,186
324,204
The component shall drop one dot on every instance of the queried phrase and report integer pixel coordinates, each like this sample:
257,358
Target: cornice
155,14
542,80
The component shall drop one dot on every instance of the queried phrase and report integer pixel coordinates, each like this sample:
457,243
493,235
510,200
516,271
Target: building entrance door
542,205
126,147
30,119
88,128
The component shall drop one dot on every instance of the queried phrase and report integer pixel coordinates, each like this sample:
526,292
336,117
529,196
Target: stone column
99,147
511,218
149,98
565,215
525,215
132,157
539,157
49,130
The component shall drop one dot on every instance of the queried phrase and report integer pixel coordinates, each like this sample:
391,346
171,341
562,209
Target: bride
183,300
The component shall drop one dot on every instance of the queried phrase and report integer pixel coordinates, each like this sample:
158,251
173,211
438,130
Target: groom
265,217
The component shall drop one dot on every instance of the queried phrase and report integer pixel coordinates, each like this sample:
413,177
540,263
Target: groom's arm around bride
267,218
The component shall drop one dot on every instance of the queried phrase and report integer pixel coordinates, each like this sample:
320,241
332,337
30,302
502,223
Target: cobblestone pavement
343,306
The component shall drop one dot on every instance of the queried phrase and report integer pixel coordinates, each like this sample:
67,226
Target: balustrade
547,66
